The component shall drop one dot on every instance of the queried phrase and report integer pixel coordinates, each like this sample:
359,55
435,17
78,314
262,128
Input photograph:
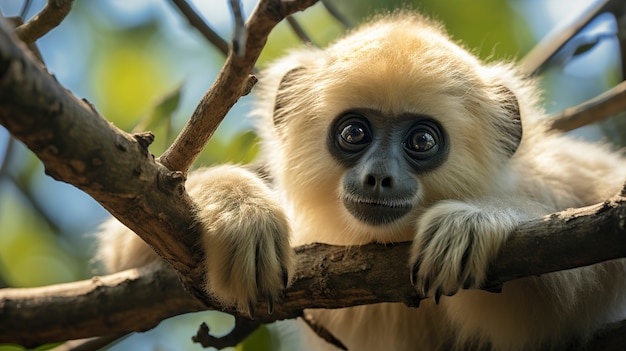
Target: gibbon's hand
245,239
454,245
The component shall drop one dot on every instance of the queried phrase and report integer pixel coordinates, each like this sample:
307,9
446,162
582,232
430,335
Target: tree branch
197,22
228,86
51,16
243,328
326,277
79,147
299,31
539,57
599,108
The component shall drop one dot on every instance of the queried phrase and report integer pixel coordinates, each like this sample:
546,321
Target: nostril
386,183
374,181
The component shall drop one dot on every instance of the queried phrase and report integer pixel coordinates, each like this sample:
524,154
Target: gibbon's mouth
377,211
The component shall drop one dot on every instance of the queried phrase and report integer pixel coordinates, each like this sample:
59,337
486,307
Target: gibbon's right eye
353,134
423,140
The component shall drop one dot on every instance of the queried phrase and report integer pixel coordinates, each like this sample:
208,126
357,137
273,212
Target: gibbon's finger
270,305
251,309
415,272
469,282
285,275
438,294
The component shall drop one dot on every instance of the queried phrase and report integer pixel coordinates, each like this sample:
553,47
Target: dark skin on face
383,156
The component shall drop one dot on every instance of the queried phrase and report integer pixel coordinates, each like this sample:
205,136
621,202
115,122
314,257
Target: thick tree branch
229,85
326,277
100,304
78,146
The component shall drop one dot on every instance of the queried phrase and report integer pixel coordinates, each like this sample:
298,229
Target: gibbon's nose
378,182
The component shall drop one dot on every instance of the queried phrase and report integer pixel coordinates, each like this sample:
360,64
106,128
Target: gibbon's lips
377,211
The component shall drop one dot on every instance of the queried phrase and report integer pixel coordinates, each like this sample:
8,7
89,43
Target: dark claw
285,278
251,309
426,285
469,282
270,305
438,295
416,268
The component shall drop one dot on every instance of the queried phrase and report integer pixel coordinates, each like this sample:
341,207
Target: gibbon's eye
423,140
353,134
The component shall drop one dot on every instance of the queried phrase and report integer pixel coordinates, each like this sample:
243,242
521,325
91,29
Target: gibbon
397,133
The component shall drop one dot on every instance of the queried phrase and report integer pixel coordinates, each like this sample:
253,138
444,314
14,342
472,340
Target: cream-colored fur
463,212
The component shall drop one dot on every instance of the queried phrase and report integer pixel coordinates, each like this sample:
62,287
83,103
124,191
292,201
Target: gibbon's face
384,123
383,160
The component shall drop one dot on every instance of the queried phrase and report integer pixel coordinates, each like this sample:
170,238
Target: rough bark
326,277
78,146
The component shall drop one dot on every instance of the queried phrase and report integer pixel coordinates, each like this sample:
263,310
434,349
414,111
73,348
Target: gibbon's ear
512,125
283,92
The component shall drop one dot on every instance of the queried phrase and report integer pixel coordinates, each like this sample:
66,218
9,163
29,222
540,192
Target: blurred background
145,68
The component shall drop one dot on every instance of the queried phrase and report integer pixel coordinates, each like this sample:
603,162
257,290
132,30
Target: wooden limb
326,277
240,34
297,28
229,84
78,146
603,106
90,344
322,332
81,309
203,27
330,7
535,61
51,16
243,328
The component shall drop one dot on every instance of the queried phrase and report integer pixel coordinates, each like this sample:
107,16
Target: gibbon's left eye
353,134
423,140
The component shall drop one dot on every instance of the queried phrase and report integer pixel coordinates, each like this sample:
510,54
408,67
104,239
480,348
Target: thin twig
605,105
8,152
50,16
322,332
90,344
535,61
25,8
197,22
297,28
330,7
229,86
240,34
243,328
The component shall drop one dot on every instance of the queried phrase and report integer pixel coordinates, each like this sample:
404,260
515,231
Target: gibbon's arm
245,237
456,241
